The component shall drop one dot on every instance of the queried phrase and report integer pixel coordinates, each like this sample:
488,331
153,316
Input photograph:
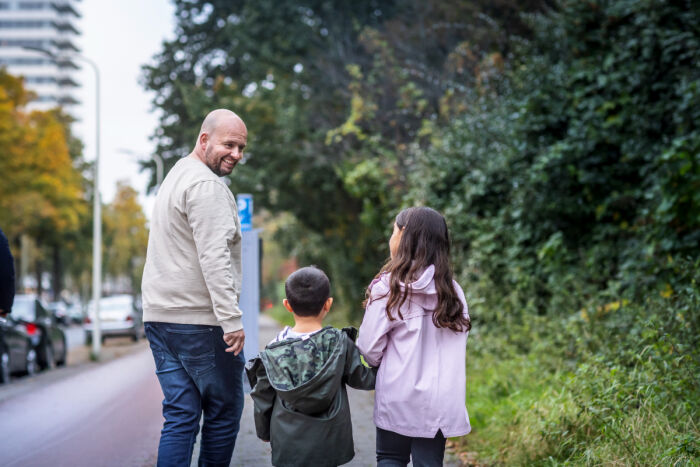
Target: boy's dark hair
307,290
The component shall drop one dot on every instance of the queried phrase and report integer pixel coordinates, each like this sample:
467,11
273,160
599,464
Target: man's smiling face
225,146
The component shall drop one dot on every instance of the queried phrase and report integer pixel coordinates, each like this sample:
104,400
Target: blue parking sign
245,211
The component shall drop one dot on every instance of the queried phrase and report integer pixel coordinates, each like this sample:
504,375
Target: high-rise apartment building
49,25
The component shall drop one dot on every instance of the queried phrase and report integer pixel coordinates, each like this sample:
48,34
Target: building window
24,61
24,42
19,24
39,80
33,5
45,98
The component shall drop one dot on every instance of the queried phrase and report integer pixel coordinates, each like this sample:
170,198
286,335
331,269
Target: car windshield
24,309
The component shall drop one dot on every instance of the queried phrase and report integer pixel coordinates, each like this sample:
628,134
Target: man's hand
235,341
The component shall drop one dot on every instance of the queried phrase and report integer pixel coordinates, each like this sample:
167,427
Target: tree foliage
42,194
339,98
579,173
126,237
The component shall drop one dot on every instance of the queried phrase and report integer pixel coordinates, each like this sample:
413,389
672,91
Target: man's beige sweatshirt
193,263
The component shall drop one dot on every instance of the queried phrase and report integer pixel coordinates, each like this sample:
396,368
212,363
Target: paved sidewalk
251,452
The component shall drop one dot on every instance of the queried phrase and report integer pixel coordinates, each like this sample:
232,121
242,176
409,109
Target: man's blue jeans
197,376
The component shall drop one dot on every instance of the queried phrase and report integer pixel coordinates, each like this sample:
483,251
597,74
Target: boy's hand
235,341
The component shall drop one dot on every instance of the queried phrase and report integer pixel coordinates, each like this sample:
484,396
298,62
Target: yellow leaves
600,311
126,235
667,292
360,109
614,306
41,193
599,211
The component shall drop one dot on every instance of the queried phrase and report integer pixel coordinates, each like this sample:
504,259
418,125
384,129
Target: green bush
577,170
615,383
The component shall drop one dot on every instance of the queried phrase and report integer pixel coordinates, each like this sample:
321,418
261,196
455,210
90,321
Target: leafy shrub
613,384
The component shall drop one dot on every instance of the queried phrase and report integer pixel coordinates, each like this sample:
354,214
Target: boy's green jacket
301,404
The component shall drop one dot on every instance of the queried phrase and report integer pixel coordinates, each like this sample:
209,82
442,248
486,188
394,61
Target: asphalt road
106,415
75,336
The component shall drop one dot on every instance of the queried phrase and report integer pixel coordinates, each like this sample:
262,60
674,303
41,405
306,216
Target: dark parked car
51,347
17,350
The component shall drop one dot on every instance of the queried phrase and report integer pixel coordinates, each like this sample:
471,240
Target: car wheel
62,360
49,361
135,337
88,339
30,363
4,367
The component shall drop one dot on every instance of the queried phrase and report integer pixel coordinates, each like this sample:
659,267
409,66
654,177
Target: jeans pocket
164,363
159,359
199,364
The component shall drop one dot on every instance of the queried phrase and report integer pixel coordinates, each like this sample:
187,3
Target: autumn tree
42,191
126,237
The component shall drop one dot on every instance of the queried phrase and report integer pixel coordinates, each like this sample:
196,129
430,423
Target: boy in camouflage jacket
298,381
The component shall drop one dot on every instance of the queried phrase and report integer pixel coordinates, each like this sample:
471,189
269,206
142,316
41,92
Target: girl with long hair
415,329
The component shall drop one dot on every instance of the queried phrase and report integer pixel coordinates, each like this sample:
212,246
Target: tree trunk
39,270
57,276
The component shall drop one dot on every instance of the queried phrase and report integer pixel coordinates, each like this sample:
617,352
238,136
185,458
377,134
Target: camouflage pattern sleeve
356,374
263,395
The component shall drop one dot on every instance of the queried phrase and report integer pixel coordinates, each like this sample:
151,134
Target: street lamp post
96,205
156,158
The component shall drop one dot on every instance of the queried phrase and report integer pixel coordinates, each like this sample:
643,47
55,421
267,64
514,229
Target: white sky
120,36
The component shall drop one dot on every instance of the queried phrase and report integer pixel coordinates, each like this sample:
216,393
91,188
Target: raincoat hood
422,290
301,403
305,371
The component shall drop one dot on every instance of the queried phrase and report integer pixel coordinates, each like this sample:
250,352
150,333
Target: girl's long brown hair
424,241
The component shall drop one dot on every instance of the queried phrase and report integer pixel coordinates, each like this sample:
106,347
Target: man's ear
203,140
286,304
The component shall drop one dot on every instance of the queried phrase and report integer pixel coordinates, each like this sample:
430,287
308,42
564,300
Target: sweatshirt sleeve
212,214
374,328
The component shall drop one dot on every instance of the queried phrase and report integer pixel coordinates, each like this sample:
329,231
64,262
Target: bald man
191,286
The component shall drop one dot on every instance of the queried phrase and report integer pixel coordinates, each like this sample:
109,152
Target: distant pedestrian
7,276
191,287
415,329
298,381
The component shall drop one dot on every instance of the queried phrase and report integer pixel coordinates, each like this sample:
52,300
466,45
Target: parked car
50,345
120,316
75,312
60,311
17,350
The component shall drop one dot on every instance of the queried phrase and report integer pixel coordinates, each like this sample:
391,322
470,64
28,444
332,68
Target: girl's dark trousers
394,449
